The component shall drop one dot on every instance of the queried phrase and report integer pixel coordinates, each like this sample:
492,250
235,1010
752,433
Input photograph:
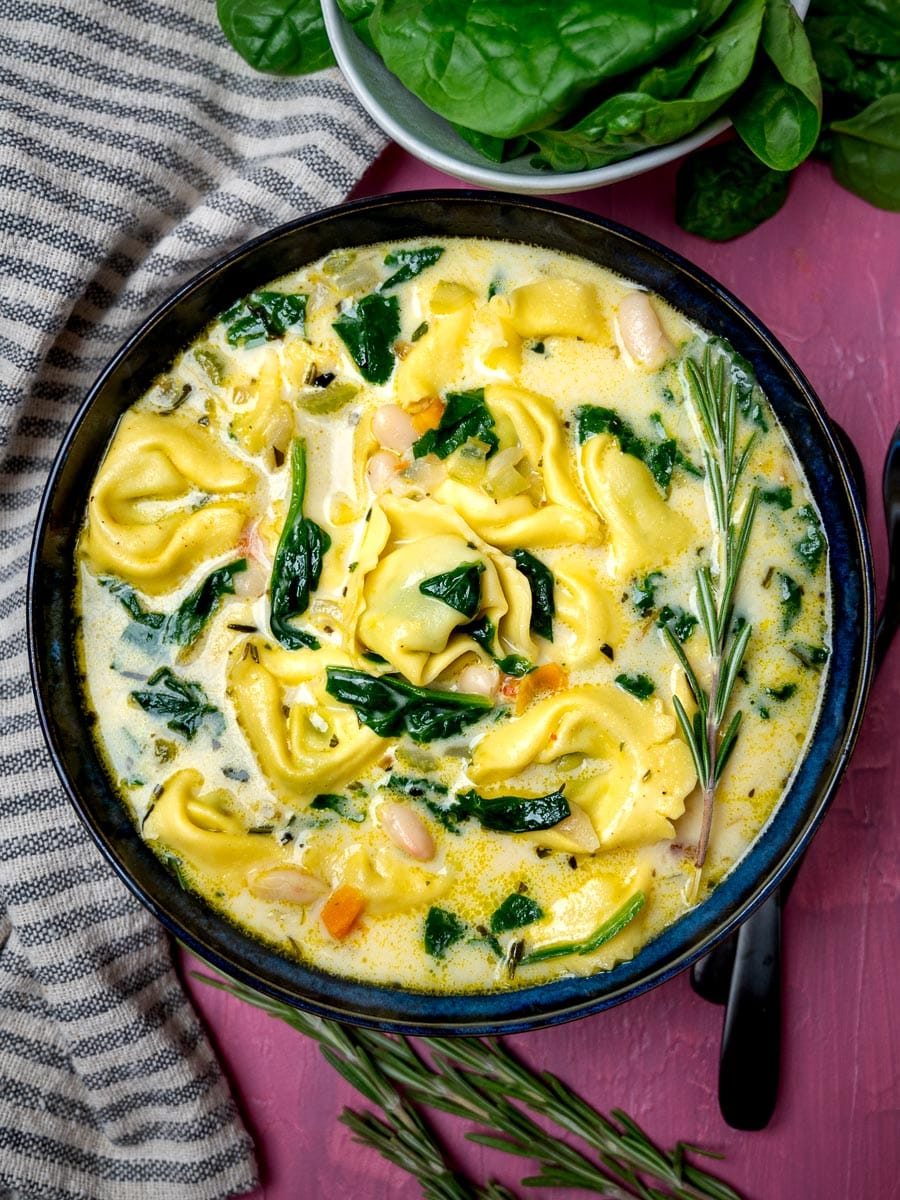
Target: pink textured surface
824,275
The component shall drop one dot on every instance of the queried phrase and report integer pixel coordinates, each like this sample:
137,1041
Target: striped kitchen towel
134,148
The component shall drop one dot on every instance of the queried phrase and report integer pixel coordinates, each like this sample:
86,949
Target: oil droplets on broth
375,583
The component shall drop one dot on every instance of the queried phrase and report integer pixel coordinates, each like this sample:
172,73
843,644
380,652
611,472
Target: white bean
393,427
406,830
285,883
578,828
478,680
251,583
642,335
380,471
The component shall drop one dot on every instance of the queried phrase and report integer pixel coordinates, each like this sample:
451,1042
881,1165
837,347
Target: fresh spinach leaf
635,120
515,912
498,150
465,416
725,191
865,153
641,687
183,702
298,561
541,582
264,317
369,329
779,497
409,264
280,37
357,13
780,113
679,620
459,589
392,707
790,595
811,547
530,69
514,814
342,805
605,933
443,929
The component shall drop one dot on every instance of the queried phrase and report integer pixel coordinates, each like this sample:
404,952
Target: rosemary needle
479,1080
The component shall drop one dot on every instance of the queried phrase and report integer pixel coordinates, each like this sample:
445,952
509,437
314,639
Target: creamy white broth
473,870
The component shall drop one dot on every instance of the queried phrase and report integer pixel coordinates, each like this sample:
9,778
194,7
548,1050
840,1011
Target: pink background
824,275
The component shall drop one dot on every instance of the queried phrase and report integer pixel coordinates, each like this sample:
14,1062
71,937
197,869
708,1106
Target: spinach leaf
779,497
369,329
263,317
780,114
483,632
811,546
725,191
811,658
183,702
865,153
515,912
634,120
516,665
749,395
541,582
514,814
183,626
281,37
392,707
298,561
342,805
410,263
531,66
641,687
790,595
498,150
443,929
459,589
605,933
357,13
659,457
430,793
781,693
466,416
643,592
679,620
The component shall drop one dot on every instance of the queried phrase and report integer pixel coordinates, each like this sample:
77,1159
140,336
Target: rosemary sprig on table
479,1080
711,388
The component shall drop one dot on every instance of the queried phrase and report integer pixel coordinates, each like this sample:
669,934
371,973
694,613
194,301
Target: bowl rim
347,47
408,1010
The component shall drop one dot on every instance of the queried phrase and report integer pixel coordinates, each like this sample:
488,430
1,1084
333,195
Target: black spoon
745,971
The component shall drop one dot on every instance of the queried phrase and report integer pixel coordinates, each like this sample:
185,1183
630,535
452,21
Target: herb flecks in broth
418,581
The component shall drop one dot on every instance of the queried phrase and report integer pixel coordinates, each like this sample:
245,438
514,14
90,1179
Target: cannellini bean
578,828
641,333
251,583
380,471
393,427
285,883
406,830
478,680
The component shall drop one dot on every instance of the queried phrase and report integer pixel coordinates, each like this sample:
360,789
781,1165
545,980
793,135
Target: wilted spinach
298,561
392,707
513,814
466,416
183,702
659,457
369,329
263,317
515,912
460,588
443,929
183,626
541,582
410,263
641,687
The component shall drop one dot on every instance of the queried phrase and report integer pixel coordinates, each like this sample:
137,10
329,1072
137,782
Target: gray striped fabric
134,147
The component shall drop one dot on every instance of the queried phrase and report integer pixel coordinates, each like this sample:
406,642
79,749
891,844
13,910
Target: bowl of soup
451,613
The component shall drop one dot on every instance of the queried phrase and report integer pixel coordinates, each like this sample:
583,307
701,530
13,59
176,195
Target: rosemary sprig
711,389
481,1081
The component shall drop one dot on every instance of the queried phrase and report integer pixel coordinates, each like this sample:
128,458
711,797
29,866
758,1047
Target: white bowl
430,138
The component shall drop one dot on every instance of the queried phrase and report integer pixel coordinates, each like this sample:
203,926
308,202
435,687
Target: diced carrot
548,678
428,417
342,910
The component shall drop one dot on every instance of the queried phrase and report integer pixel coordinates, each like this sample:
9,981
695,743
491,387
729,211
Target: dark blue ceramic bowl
52,618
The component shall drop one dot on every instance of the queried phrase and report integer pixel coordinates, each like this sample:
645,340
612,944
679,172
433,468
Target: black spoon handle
890,612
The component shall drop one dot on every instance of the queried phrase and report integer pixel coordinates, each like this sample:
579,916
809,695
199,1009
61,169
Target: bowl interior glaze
52,620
